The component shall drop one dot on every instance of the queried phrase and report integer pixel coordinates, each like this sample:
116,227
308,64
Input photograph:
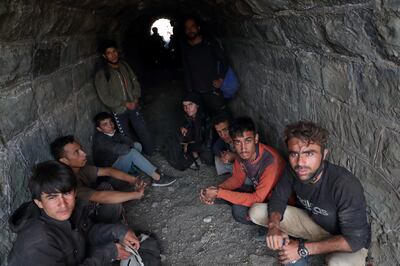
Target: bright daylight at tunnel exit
229,132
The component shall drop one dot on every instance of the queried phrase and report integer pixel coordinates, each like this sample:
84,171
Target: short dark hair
105,44
308,132
240,125
57,146
102,116
219,118
51,177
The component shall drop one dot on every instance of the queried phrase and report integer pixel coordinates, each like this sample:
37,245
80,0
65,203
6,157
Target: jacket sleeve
186,70
106,144
45,251
352,217
101,234
220,58
268,180
233,182
281,193
104,92
136,90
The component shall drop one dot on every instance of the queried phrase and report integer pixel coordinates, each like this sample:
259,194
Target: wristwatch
302,250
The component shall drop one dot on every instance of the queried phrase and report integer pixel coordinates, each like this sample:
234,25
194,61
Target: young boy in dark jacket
55,229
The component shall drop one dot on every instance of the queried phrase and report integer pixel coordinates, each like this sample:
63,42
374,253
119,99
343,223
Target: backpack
147,255
230,85
173,153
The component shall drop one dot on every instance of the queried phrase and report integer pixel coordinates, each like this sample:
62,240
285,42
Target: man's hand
140,192
139,184
208,195
276,238
227,156
217,83
122,254
131,105
288,253
131,240
183,131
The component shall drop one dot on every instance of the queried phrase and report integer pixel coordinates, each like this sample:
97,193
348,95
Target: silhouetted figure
157,48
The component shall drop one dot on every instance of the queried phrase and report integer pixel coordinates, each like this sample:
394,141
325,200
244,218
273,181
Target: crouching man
112,149
256,171
106,200
55,229
330,217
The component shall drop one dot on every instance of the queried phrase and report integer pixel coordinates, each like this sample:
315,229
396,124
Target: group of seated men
309,206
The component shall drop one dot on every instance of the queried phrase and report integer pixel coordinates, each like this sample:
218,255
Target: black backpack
173,153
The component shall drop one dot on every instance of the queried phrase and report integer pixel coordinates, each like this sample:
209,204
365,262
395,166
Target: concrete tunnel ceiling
335,62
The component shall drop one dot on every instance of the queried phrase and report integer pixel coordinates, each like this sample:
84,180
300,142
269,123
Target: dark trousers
240,212
213,102
134,119
106,213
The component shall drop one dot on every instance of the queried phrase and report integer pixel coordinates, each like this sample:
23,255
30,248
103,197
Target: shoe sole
162,185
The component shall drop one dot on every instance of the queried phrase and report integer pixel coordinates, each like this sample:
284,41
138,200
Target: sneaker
194,166
165,180
261,234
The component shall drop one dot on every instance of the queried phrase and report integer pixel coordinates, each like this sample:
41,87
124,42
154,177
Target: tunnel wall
335,63
46,79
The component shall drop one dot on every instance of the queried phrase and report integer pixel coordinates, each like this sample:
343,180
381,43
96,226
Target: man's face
111,55
305,158
223,131
191,29
245,145
58,206
190,108
106,126
74,156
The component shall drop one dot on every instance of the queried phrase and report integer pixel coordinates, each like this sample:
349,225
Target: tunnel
335,62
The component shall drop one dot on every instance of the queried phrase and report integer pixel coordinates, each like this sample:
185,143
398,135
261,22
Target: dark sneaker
165,180
261,234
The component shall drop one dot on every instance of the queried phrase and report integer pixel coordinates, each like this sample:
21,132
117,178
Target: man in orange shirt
255,172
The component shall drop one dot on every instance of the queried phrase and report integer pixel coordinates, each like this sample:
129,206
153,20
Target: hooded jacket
42,240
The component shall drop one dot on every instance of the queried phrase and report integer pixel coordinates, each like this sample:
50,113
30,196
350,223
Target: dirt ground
190,232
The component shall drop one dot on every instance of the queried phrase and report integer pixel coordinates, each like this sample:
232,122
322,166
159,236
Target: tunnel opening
332,62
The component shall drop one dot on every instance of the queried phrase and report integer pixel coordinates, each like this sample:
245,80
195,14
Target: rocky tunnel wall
335,62
48,53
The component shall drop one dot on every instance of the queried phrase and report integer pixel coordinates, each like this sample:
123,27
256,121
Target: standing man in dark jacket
204,67
119,90
330,214
54,229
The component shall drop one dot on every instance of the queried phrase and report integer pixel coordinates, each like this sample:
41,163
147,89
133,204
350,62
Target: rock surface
335,62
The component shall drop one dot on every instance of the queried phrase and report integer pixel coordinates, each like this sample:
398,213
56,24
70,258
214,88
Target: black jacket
43,240
107,149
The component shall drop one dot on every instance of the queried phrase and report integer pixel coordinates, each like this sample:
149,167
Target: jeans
135,119
240,212
124,163
297,223
222,168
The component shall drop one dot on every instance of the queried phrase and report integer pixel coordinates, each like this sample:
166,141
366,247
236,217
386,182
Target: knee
109,213
258,213
137,146
240,214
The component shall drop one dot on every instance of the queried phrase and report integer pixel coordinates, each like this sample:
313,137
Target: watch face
303,252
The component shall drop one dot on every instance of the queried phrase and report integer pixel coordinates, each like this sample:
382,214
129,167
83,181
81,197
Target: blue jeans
124,162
